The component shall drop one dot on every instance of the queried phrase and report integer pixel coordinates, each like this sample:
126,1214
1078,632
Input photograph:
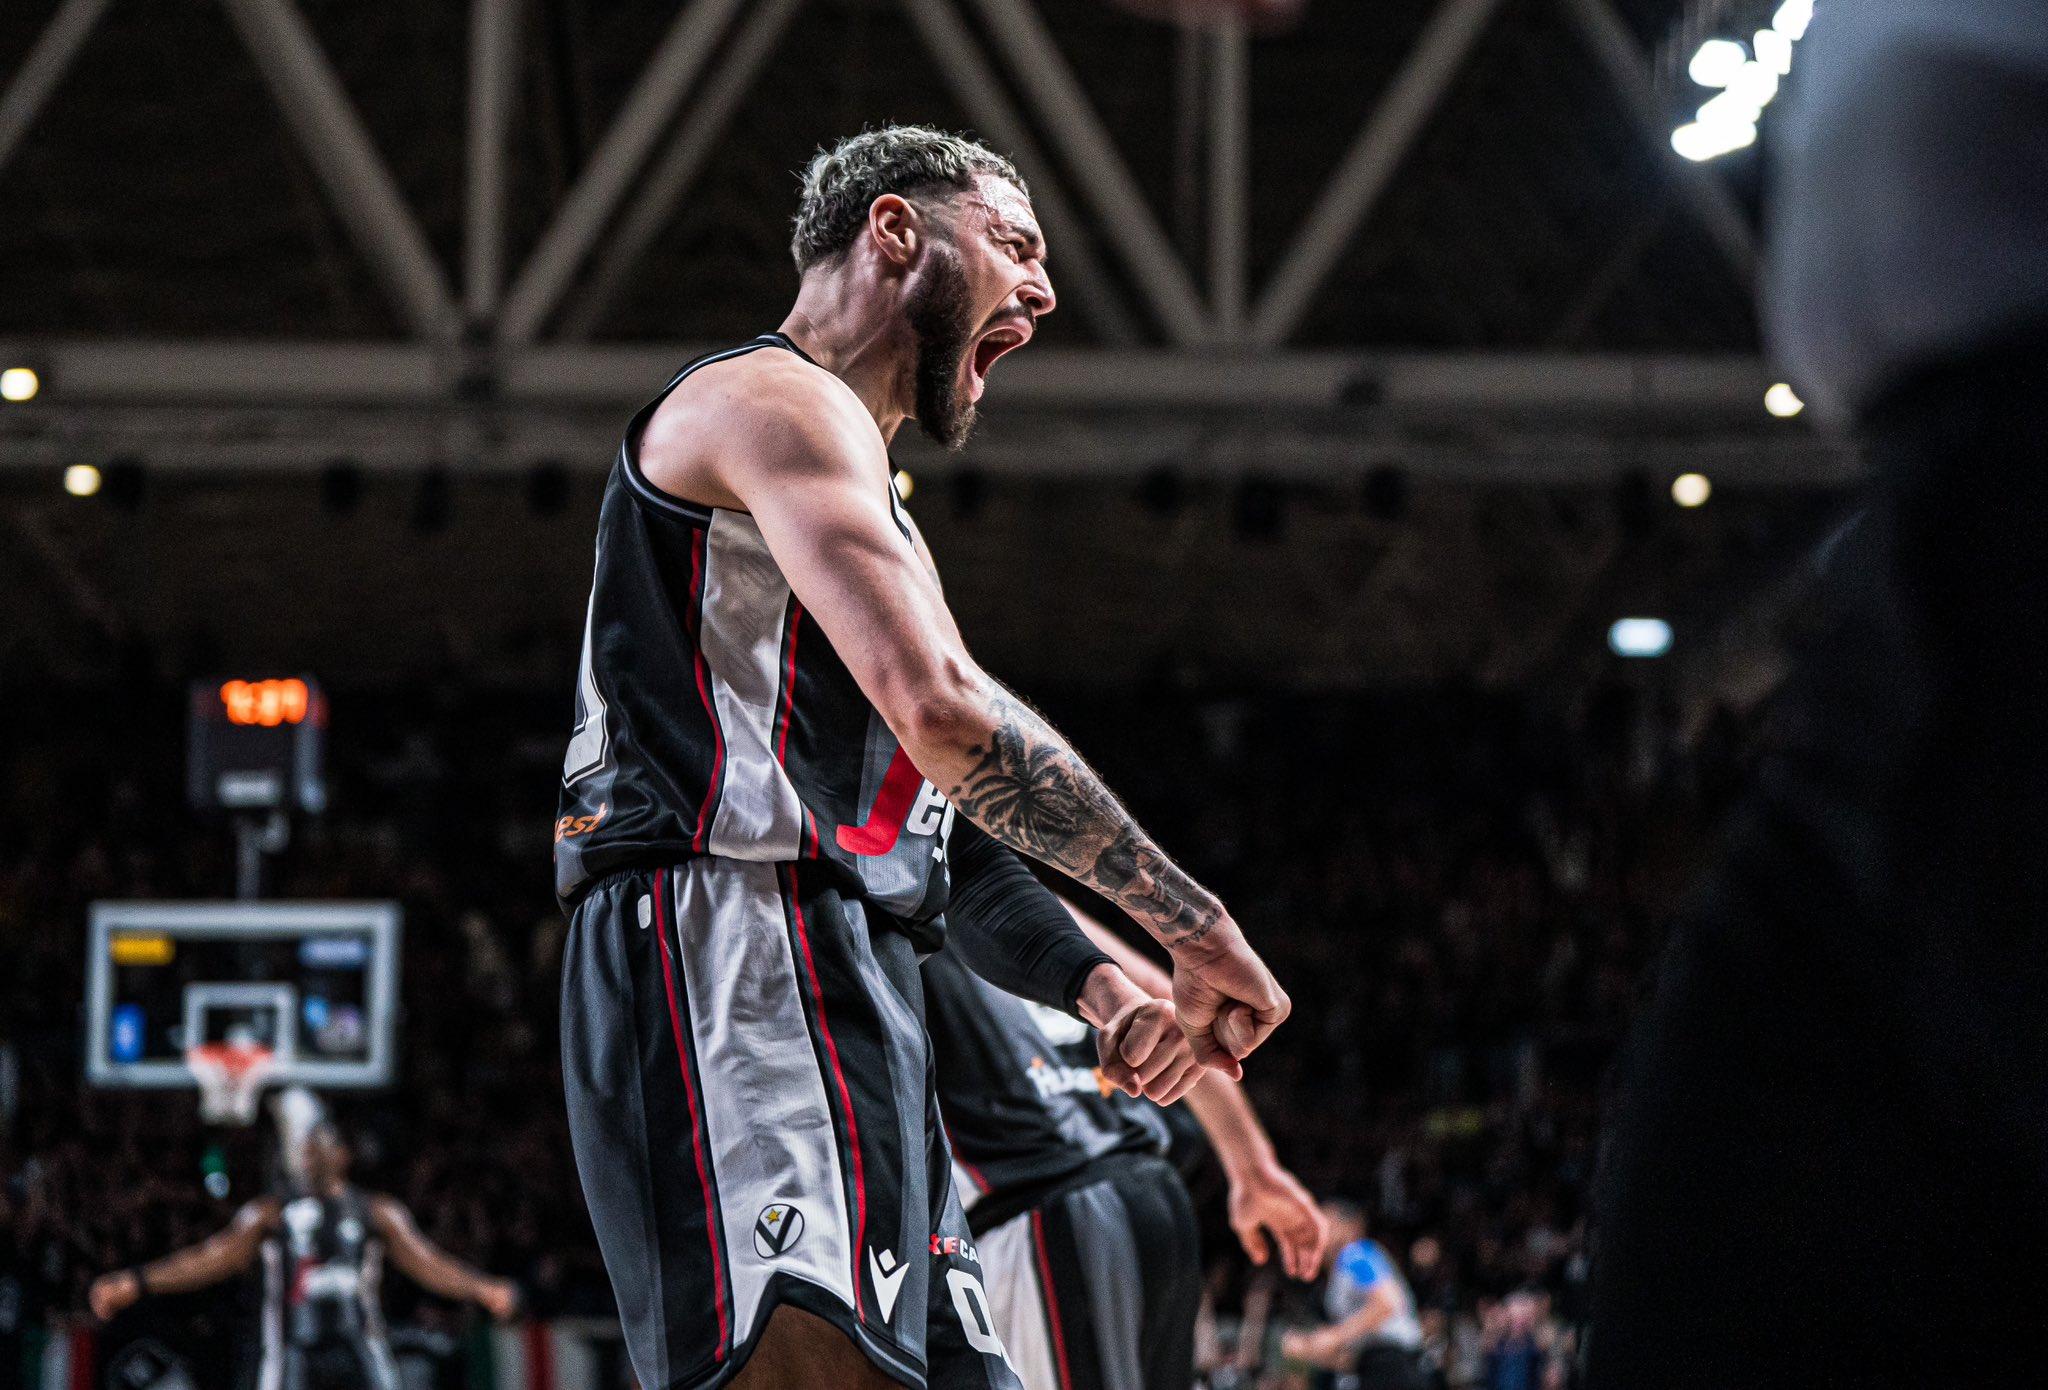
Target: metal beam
1057,99
1628,70
1523,386
332,134
653,103
1368,166
975,87
493,89
1230,118
73,578
689,149
1492,418
55,49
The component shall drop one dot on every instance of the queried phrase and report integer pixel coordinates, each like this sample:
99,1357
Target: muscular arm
220,1256
1010,929
431,1267
812,469
1013,932
1264,1196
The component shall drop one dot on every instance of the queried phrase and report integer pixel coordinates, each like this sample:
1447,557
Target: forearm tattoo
1028,788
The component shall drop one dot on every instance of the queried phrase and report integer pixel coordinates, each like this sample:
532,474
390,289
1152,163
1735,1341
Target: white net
230,1077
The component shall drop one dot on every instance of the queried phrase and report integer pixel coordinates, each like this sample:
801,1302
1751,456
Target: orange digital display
266,704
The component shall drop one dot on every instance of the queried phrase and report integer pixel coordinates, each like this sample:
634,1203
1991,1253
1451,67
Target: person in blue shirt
1372,1340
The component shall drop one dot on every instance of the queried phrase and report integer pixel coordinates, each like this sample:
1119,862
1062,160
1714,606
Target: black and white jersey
322,1272
714,718
1024,1101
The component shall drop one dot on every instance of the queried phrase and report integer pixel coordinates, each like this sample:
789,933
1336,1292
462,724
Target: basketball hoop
230,1077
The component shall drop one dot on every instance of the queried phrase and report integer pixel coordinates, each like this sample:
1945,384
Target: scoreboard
257,745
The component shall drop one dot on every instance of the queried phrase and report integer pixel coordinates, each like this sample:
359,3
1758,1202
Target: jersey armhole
697,513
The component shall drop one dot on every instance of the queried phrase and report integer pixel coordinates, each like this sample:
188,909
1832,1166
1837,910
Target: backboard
317,982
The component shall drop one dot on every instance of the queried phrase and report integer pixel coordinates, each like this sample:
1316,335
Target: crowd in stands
1460,890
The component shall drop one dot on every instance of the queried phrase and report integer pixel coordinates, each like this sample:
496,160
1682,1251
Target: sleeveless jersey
322,1272
714,718
1024,1101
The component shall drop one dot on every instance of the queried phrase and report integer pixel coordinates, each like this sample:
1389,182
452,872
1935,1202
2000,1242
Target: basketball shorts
1097,1287
752,1105
352,1363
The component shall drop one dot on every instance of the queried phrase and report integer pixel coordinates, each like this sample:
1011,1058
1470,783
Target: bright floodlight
1700,141
1639,637
19,384
1782,401
1773,51
1792,18
81,480
1691,489
1717,62
905,484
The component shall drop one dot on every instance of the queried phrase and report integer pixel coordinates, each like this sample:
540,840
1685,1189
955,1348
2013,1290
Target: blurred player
1829,1161
322,1245
1086,1229
776,721
1373,1337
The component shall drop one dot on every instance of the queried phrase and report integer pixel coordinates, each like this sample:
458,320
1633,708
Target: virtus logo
776,1229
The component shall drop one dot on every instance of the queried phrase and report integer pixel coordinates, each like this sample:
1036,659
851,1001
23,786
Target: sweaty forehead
1005,206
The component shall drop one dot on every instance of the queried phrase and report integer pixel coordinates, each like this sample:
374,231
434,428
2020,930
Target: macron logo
888,1282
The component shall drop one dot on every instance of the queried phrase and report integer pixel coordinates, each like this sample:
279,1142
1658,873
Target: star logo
778,1227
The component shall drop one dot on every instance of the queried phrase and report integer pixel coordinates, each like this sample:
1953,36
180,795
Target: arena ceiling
458,242
1466,175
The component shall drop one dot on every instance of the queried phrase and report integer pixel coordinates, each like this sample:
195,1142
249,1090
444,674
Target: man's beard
940,321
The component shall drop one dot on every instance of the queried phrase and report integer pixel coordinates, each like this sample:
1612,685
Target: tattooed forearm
1027,787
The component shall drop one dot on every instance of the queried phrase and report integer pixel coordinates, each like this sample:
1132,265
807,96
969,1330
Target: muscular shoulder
765,410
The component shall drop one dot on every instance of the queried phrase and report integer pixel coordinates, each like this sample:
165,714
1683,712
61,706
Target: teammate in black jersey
322,1246
1086,1229
777,721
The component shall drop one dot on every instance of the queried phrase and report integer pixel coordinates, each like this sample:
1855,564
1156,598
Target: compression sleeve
1009,928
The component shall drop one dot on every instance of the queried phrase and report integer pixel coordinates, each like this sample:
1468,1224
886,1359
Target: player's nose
1036,294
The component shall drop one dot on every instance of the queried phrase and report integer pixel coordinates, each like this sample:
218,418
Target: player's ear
896,227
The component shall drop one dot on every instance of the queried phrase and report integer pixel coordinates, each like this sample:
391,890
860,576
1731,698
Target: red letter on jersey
892,803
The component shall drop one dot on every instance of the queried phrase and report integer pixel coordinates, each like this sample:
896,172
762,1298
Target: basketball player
777,725
322,1246
1087,1230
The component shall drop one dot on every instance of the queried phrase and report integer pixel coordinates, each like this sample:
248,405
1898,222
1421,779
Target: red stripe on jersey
675,1023
860,1186
540,1356
698,559
1052,1300
796,617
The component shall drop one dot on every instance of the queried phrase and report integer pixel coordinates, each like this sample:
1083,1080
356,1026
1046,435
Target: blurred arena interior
1402,362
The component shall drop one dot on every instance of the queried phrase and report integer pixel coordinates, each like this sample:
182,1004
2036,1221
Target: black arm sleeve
1009,928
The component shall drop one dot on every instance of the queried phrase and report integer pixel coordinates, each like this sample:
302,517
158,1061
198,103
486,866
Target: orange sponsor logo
569,827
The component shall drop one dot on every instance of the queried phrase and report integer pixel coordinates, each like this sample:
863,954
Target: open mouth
990,346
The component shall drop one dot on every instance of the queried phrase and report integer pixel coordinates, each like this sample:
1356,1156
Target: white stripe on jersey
271,1374
745,616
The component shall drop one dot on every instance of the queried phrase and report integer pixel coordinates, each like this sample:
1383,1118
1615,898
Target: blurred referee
1829,1160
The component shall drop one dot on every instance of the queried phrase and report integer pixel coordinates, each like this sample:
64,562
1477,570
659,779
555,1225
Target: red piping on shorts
1052,1300
860,1186
675,1023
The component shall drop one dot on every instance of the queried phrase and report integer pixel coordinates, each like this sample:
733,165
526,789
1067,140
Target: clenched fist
1229,1002
1145,1053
